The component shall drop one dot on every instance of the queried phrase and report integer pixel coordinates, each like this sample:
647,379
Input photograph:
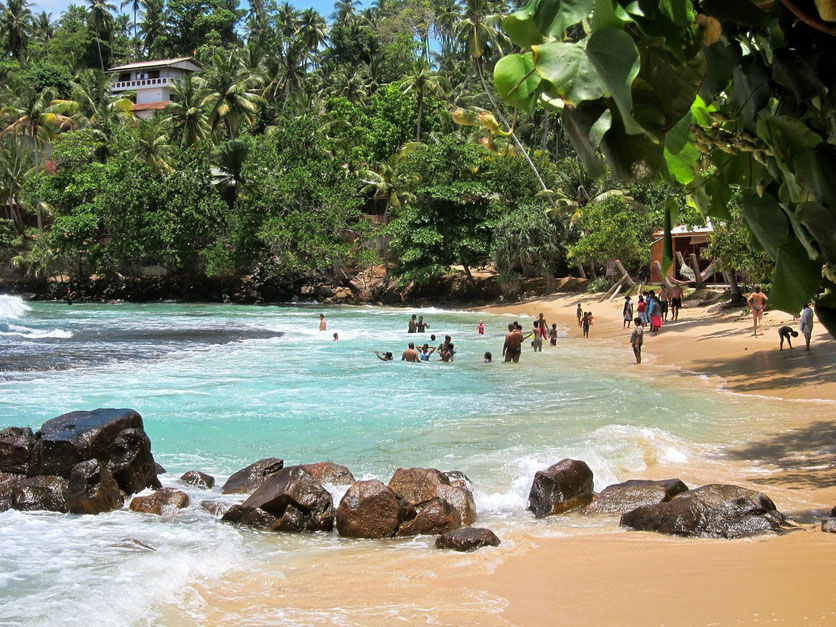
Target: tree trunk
468,274
38,202
734,288
581,271
420,113
695,266
545,139
99,47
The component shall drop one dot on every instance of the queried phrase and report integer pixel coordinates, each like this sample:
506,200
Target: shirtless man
513,344
413,326
421,326
757,301
676,301
321,322
410,354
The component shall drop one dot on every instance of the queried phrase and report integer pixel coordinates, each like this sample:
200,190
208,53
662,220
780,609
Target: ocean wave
12,307
35,334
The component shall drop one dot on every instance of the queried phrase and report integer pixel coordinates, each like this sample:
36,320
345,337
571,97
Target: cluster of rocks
667,506
84,462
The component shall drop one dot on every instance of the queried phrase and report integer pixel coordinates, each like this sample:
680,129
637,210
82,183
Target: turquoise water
221,386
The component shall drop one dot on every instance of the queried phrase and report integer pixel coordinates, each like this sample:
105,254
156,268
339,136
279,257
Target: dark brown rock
46,492
712,511
92,489
249,479
297,499
467,539
163,502
216,508
559,488
623,497
462,500
420,485
8,483
459,480
434,517
15,449
331,473
159,469
833,512
370,509
130,462
198,479
252,517
829,525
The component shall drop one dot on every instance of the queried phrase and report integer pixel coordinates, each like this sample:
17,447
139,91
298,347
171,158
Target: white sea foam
12,307
35,334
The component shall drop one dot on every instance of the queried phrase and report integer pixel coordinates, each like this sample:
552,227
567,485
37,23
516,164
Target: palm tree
135,5
151,146
421,79
100,15
16,25
287,21
151,25
344,10
229,94
231,157
187,112
44,29
312,30
13,169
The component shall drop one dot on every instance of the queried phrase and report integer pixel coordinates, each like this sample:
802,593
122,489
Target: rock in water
163,502
198,479
159,469
829,525
297,499
92,489
712,511
467,539
459,480
420,485
331,473
46,492
15,449
8,483
216,508
561,487
434,517
252,517
623,497
370,509
249,479
115,437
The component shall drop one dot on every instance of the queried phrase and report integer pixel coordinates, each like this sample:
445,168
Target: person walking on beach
481,328
513,344
784,333
421,325
413,325
806,323
664,300
537,342
585,322
637,339
627,312
322,324
757,301
579,313
676,301
411,355
553,335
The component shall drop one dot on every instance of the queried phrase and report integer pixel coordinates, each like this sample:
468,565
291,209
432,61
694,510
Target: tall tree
136,6
16,26
312,30
229,94
422,79
187,112
44,29
100,16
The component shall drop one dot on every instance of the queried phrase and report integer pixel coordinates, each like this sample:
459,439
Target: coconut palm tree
422,79
287,21
229,94
151,25
312,30
230,157
135,5
344,11
44,29
14,165
16,26
151,146
100,16
187,112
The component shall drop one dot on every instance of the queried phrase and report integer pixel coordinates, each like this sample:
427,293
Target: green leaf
520,26
821,223
720,60
630,157
751,91
674,85
569,71
681,165
608,14
816,170
516,81
555,16
798,74
579,124
616,58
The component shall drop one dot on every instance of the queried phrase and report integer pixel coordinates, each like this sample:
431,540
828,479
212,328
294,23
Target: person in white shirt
806,323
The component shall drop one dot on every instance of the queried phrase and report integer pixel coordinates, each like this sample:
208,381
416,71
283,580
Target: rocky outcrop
433,517
15,449
829,525
115,437
459,480
163,502
8,483
216,508
467,539
330,473
159,469
252,517
712,511
420,485
370,509
559,488
620,498
47,492
92,489
296,499
198,479
249,479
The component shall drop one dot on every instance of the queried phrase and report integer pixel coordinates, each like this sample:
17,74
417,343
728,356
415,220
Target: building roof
156,63
684,231
151,106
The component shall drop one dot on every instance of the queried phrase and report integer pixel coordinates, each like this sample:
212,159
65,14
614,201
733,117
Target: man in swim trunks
676,301
537,341
411,355
544,329
784,333
421,325
757,301
413,325
513,344
321,322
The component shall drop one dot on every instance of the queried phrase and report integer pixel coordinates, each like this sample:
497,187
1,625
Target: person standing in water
544,327
336,337
637,339
411,355
585,322
322,325
757,301
537,342
421,326
413,325
627,312
513,344
481,328
553,335
676,301
579,313
806,323
384,356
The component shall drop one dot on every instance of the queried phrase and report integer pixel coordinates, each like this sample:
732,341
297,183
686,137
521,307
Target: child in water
481,328
579,312
336,337
488,357
585,322
553,335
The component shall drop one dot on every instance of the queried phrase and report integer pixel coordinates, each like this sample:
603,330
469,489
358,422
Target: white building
152,81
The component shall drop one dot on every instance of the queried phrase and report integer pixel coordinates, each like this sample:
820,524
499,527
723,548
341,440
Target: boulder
8,483
331,473
159,469
565,485
712,511
249,479
462,500
47,492
216,508
458,479
297,499
252,517
829,525
623,497
420,485
115,437
198,479
163,502
15,449
833,512
467,539
92,489
434,517
370,509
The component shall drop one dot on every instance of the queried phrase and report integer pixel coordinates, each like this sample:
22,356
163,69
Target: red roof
151,106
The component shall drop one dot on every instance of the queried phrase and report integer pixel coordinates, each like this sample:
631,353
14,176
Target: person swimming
384,356
488,357
425,352
336,337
